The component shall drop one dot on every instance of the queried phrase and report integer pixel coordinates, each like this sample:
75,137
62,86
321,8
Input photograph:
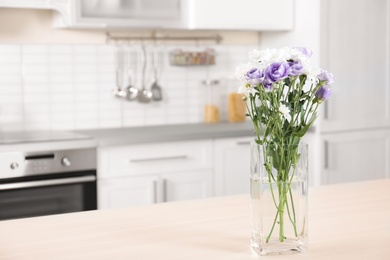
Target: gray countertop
163,133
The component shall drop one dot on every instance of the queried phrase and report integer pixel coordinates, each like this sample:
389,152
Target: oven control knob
65,161
14,165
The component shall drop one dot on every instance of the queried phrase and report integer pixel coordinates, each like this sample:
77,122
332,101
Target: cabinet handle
243,143
164,184
325,110
178,157
326,155
154,191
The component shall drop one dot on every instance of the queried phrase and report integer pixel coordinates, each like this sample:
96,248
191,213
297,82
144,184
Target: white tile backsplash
65,87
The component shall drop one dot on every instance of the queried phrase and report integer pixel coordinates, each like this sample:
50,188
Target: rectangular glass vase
279,201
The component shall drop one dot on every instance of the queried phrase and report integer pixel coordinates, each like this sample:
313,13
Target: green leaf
303,130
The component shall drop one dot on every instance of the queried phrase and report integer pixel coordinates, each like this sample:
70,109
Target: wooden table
346,221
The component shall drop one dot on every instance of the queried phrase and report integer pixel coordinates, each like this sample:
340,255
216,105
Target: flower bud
304,51
326,76
323,93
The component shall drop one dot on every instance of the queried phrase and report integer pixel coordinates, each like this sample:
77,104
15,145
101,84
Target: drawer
154,158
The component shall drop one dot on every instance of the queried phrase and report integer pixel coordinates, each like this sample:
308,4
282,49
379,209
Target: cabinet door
130,13
186,185
126,192
241,15
156,158
232,165
355,156
355,48
34,4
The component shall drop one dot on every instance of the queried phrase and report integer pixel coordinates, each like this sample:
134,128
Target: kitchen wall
61,79
45,87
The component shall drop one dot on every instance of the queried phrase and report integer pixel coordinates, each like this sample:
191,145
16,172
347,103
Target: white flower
298,56
309,69
265,55
254,55
284,110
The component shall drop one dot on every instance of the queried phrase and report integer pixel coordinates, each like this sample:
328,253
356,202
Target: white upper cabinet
34,4
128,13
254,15
257,15
355,42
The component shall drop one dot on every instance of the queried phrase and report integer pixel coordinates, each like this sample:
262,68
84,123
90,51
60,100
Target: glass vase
279,198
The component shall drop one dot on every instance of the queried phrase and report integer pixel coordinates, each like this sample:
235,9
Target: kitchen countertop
48,145
346,221
165,133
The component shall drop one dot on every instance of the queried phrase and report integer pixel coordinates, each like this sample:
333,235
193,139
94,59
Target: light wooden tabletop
346,221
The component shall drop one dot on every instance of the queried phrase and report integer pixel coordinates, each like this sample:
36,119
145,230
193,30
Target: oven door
47,194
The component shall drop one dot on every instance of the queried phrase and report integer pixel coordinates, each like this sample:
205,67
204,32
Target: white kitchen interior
122,135
59,65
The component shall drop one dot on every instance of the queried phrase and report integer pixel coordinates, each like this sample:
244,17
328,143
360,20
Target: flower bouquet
283,92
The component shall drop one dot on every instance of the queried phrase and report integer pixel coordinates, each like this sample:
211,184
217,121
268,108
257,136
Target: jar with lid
212,103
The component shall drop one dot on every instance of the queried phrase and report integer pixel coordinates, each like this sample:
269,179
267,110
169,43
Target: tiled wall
65,87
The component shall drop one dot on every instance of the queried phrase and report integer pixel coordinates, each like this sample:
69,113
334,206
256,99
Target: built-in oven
45,183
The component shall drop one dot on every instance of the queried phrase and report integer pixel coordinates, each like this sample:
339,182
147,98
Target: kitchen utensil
131,91
117,91
145,95
155,88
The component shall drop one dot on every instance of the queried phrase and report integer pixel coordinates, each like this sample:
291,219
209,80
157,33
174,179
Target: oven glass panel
33,202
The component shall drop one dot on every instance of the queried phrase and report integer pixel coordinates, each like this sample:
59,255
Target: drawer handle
244,143
178,157
154,192
326,155
164,181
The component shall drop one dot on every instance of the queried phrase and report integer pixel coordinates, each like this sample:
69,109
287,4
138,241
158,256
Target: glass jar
212,104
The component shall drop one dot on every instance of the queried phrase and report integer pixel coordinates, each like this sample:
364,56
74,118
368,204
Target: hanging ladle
145,95
131,91
117,91
155,88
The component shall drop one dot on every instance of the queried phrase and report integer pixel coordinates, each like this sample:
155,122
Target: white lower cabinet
174,171
232,165
126,192
145,190
355,156
186,185
152,173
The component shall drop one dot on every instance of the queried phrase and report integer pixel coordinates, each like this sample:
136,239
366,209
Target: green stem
284,187
293,209
281,212
272,228
271,188
289,216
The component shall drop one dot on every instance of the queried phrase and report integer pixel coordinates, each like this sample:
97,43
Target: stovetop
39,136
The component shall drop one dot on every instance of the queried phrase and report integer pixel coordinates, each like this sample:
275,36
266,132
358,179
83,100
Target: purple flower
267,84
277,71
304,51
254,76
323,93
296,68
326,76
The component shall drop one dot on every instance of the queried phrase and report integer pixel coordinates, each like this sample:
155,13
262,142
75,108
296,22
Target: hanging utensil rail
154,37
